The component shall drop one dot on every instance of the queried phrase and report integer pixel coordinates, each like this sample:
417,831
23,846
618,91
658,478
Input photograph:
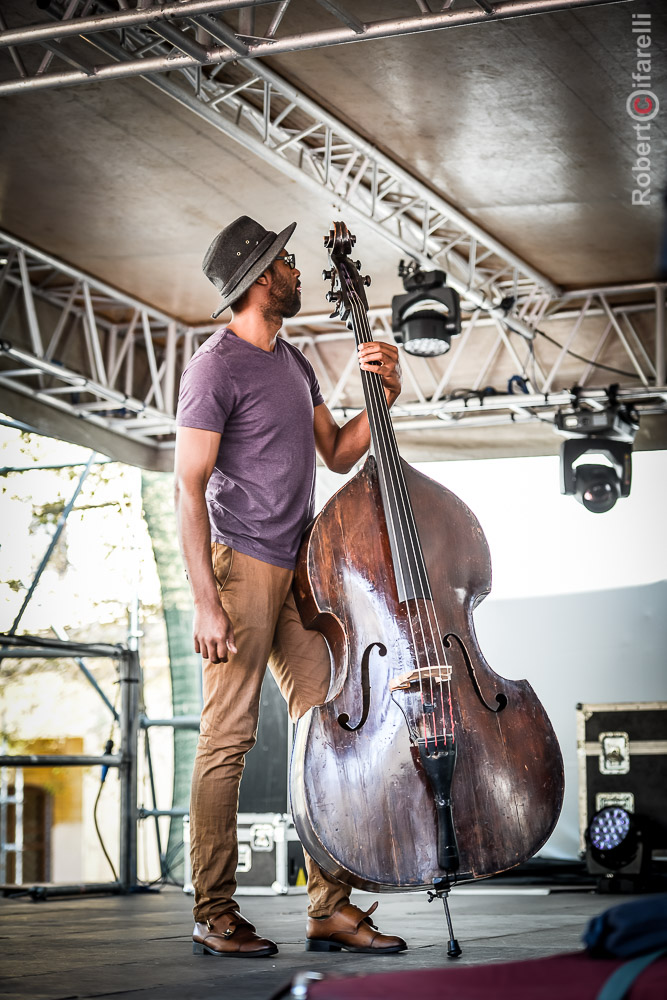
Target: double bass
423,766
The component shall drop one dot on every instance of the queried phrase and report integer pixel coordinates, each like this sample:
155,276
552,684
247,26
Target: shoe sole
333,946
202,949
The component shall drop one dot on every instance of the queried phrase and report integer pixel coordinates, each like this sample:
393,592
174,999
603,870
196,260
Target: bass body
363,804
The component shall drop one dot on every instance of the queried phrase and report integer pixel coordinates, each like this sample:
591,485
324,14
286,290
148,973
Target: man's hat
239,255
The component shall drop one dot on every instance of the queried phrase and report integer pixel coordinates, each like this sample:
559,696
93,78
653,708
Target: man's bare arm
340,447
196,451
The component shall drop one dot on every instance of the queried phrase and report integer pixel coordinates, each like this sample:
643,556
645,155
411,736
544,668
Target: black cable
99,834
588,361
108,749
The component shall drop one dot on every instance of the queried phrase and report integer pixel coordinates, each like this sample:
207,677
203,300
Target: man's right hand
213,633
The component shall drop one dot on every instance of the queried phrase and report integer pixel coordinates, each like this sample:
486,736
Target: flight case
622,752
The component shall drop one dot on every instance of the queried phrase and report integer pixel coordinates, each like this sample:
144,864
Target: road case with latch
622,751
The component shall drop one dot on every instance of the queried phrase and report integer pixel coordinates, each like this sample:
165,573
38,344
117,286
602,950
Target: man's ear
263,279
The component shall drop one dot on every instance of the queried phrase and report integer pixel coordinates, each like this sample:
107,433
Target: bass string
395,485
370,381
408,513
382,412
409,529
406,522
436,633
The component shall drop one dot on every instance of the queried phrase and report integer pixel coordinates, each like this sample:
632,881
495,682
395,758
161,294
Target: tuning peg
367,280
357,264
327,275
353,239
331,297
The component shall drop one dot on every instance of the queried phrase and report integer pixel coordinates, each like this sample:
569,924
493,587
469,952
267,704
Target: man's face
285,292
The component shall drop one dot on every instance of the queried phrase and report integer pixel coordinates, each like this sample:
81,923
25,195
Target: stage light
597,487
608,433
613,842
425,319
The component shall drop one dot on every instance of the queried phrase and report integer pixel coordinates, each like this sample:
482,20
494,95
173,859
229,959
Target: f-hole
343,718
501,699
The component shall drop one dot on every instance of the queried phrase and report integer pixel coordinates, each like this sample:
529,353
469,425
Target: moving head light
425,319
597,487
608,433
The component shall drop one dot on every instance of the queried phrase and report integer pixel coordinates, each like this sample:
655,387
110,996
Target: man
250,416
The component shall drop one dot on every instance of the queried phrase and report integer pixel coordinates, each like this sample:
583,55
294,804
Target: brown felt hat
239,255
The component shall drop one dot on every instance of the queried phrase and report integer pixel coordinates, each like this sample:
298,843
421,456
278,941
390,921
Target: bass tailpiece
439,759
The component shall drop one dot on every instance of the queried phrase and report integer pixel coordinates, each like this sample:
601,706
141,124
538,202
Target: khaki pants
258,599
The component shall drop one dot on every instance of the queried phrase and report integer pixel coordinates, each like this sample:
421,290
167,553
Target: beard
284,300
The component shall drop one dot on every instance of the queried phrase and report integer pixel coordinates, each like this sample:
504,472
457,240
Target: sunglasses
289,259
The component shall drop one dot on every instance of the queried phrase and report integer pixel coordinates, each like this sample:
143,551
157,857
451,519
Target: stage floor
138,946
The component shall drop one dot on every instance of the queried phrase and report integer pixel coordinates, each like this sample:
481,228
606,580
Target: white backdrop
579,600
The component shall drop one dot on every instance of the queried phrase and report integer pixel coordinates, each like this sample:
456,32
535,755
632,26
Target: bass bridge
420,677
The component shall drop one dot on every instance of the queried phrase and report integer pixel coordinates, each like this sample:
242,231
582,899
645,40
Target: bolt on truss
81,347
260,31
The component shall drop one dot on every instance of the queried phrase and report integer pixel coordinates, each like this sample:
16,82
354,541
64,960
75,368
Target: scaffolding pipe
41,468
66,760
130,678
125,760
54,541
176,722
16,647
173,813
158,836
43,653
40,892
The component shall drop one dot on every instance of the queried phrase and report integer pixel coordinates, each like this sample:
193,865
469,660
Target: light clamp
619,424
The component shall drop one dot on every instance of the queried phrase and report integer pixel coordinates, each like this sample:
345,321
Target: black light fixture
608,433
614,843
596,486
425,319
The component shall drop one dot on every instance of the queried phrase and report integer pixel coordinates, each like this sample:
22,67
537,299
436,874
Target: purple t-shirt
260,495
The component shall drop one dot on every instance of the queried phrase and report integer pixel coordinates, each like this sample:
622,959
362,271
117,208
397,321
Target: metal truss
438,402
83,348
197,37
249,103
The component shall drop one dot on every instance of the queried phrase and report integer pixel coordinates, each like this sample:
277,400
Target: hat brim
257,269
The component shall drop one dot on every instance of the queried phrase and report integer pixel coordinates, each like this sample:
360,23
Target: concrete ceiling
522,124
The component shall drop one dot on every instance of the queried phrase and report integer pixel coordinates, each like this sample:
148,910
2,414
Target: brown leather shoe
350,929
230,934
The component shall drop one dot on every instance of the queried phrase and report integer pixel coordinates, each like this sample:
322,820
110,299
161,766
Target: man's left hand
382,358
